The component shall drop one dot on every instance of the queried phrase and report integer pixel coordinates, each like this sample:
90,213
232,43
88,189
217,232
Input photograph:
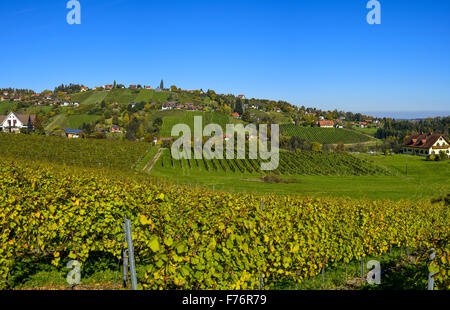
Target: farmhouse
13,122
168,106
73,133
325,124
426,144
363,124
115,129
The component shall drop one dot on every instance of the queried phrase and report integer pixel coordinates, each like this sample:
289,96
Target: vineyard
172,118
291,163
120,155
196,239
324,135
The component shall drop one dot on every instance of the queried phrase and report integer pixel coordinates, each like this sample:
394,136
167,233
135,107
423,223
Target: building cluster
179,106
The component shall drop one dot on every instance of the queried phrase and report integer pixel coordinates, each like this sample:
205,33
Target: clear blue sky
308,52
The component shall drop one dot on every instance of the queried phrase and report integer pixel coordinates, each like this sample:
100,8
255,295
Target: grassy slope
121,95
71,121
6,106
424,180
368,131
80,153
95,97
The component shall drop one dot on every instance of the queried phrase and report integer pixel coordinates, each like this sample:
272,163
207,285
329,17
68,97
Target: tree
316,146
148,138
443,156
140,133
238,108
173,88
37,125
340,147
115,120
87,128
246,116
115,84
158,122
132,129
126,120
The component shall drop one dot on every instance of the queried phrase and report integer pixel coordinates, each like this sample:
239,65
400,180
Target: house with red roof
363,124
426,144
325,124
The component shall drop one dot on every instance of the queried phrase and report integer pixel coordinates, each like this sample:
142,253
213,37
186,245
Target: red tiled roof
424,141
325,123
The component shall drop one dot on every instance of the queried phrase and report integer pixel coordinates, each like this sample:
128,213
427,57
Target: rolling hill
325,135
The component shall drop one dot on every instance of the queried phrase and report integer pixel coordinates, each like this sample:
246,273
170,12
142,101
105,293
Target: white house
426,144
13,122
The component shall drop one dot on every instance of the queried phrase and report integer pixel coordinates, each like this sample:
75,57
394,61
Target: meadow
70,121
423,180
6,106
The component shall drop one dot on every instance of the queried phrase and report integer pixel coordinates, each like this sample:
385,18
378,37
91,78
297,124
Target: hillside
79,153
172,118
325,135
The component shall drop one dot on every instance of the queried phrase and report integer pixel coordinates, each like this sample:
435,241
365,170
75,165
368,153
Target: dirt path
149,166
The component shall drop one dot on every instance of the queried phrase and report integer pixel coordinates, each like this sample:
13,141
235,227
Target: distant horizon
409,115
393,114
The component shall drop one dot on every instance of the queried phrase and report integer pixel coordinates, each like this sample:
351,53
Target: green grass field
95,97
424,180
6,106
325,135
121,95
368,131
71,121
149,95
37,109
82,97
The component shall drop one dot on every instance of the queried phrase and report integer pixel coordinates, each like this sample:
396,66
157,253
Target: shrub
443,156
273,178
431,157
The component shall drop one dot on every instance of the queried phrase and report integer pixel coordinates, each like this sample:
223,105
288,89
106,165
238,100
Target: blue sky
315,53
